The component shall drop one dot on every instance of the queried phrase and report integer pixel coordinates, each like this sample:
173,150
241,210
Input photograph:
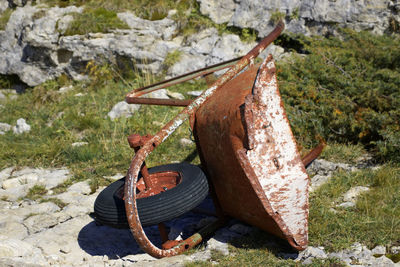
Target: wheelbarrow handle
164,133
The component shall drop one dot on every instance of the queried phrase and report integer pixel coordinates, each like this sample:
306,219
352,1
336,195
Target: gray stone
380,250
218,11
29,178
185,142
40,222
78,144
80,188
175,95
213,244
347,204
318,180
3,5
194,93
306,17
10,247
5,127
13,229
353,193
312,252
123,109
395,249
21,127
13,194
65,89
162,93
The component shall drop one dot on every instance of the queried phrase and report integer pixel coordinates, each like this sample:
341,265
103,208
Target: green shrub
95,20
347,91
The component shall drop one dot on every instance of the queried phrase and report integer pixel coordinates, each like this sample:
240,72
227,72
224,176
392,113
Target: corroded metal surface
263,181
167,130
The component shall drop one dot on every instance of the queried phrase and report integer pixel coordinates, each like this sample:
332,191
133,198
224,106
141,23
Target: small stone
175,95
162,93
214,244
312,252
353,193
395,250
185,142
318,180
347,205
5,127
379,250
79,94
115,176
123,109
65,89
21,127
194,93
78,144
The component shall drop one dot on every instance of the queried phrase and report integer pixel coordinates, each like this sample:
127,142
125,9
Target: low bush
345,90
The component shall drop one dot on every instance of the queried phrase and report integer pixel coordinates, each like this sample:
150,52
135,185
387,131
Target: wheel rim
161,182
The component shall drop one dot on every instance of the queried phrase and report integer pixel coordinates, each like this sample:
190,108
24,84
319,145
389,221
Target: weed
172,58
4,17
295,14
37,191
276,16
95,20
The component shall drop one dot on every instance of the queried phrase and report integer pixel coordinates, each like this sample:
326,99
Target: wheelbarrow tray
245,142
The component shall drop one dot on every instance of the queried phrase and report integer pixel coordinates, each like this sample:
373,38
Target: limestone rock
13,229
307,16
123,109
175,95
21,127
218,11
40,222
78,144
185,142
380,250
5,173
354,192
5,127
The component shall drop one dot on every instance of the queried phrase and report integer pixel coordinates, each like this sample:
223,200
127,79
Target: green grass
37,191
95,20
85,119
375,220
4,17
343,153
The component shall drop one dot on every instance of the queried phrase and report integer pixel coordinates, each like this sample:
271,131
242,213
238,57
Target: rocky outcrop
33,45
304,16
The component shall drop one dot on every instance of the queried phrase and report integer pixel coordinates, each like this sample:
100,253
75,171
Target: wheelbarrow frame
151,142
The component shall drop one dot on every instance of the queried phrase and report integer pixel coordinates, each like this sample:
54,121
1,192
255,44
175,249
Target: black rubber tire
190,192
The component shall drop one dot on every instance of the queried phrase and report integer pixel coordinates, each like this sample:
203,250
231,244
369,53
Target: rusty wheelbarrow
247,152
